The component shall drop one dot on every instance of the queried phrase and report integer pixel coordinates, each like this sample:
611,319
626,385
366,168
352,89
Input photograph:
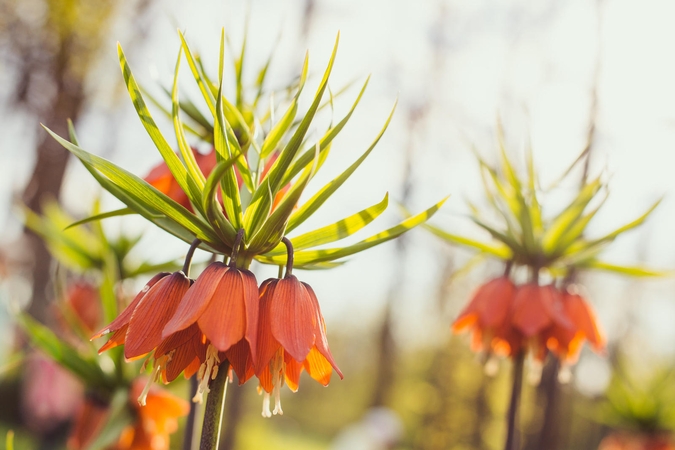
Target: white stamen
491,366
207,371
534,372
565,374
266,405
160,364
277,401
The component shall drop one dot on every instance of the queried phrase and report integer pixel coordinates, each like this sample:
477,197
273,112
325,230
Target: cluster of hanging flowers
274,331
506,319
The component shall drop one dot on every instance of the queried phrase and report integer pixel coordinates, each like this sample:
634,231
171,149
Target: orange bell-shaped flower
291,337
487,316
565,342
223,303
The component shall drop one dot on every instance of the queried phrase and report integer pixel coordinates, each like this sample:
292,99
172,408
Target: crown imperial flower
291,337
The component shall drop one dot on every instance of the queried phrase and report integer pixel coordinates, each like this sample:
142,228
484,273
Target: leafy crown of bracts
245,141
523,235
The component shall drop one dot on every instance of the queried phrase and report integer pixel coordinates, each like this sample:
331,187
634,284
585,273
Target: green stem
512,418
215,403
289,259
190,423
188,257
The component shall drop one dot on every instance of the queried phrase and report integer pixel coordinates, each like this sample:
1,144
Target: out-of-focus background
558,75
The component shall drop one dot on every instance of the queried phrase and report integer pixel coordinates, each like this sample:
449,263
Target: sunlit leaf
311,205
336,231
633,271
105,215
500,251
141,196
311,257
187,184
85,368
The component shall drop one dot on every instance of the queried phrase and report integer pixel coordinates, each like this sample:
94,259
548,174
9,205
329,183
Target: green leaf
119,417
174,164
231,199
516,248
310,207
142,197
312,257
193,169
278,169
500,251
105,215
197,74
562,224
324,142
213,213
336,231
274,228
77,249
633,271
279,130
108,286
583,246
85,368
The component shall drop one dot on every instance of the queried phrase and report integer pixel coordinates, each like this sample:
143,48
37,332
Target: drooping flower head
223,305
291,337
566,342
487,317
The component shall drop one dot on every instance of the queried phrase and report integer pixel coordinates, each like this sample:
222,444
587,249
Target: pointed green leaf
193,169
581,246
633,271
274,228
310,207
177,169
336,231
278,169
197,74
211,206
568,217
127,186
105,215
324,142
311,257
500,251
231,199
85,368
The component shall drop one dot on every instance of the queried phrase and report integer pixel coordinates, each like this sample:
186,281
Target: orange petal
321,340
267,344
252,304
265,379
318,367
584,318
292,372
239,356
181,344
196,299
152,313
116,339
192,368
224,318
293,317
530,315
125,316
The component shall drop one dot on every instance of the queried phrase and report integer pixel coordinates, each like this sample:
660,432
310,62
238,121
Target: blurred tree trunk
53,46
